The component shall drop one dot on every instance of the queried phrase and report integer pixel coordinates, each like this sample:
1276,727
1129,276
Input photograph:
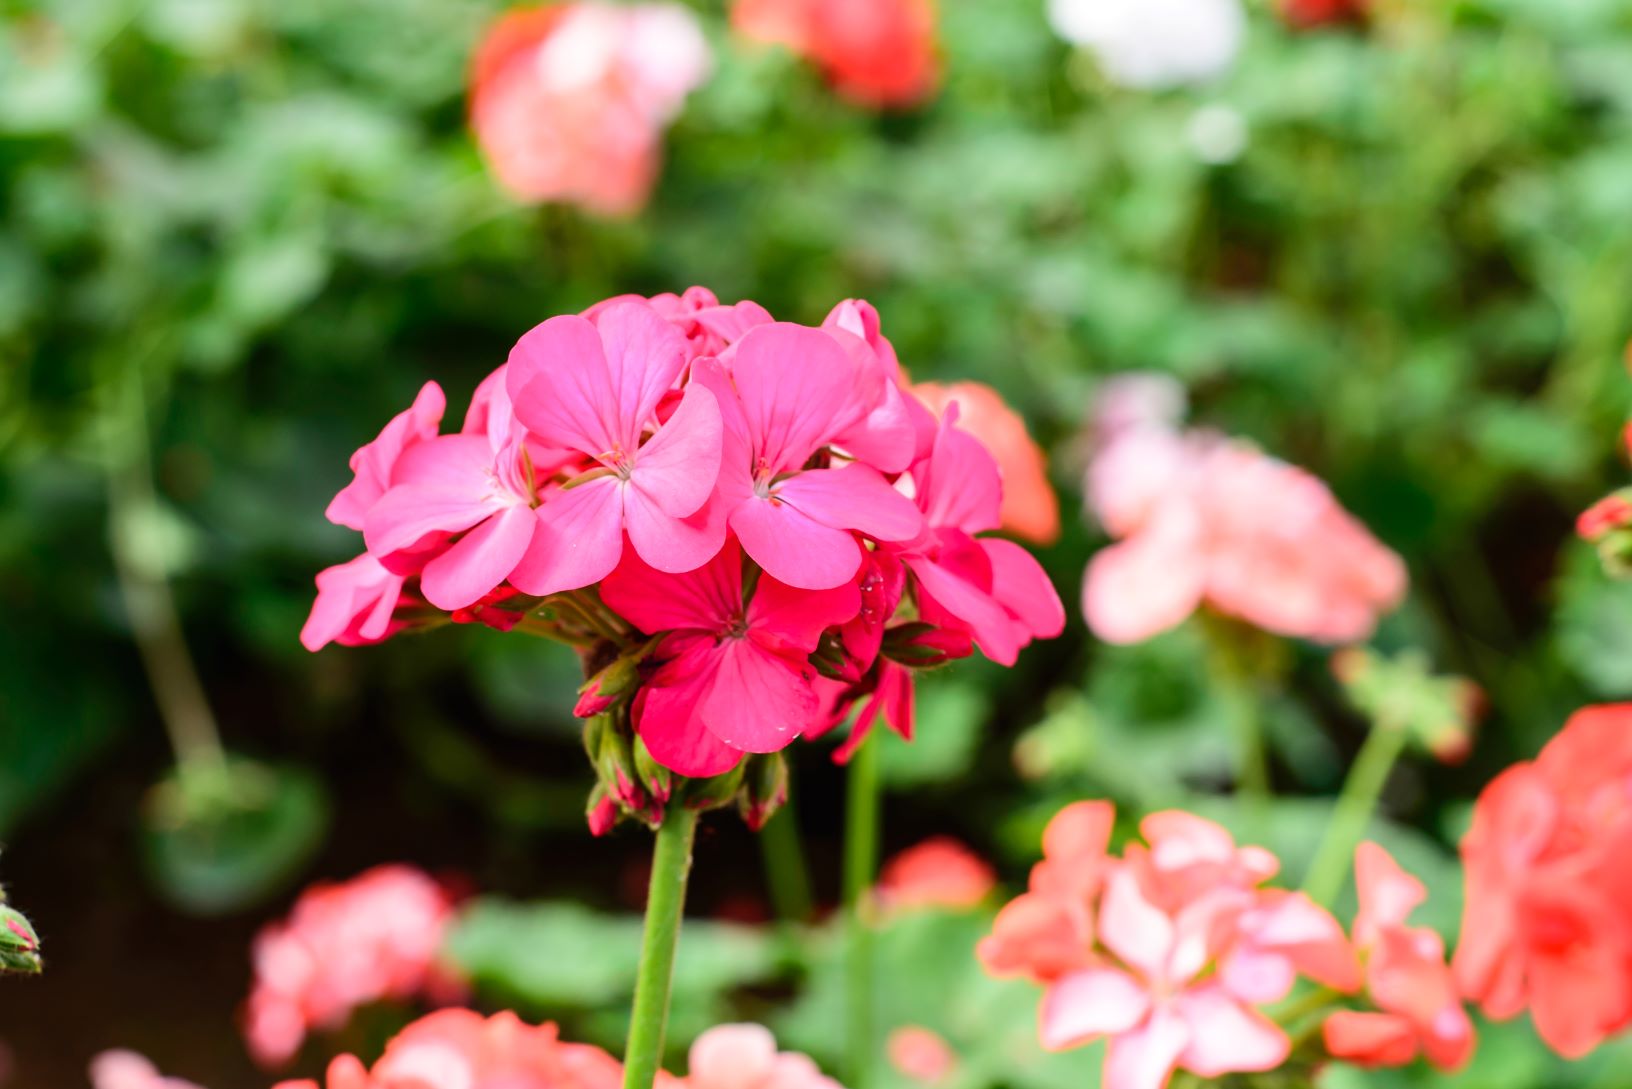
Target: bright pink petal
372,464
793,547
668,719
578,541
410,512
645,355
1145,1058
1133,928
677,469
356,598
478,561
1227,1037
856,497
1021,586
989,623
796,386
451,462
669,543
784,616
759,701
1090,1003
708,599
959,486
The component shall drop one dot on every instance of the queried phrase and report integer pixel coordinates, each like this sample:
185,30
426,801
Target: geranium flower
594,388
569,102
745,1057
128,1070
920,1054
1029,510
356,605
939,873
878,53
734,674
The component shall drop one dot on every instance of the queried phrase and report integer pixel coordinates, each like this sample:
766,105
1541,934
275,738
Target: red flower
879,53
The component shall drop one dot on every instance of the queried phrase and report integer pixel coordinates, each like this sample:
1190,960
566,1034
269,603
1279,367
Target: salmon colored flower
937,873
1545,925
732,676
1418,1006
128,1070
1313,13
1204,520
1168,951
920,1054
451,1049
1610,513
569,101
745,1057
878,53
375,937
1030,510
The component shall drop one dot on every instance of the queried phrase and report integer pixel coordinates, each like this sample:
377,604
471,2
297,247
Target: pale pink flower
1418,1005
792,391
939,872
595,388
569,102
745,1057
375,937
733,676
920,1054
1205,520
128,1070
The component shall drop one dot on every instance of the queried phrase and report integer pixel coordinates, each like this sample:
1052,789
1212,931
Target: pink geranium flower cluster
1201,519
1169,951
749,526
375,937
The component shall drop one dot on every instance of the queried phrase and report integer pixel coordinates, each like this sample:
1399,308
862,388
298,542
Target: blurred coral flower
1545,924
1030,509
878,53
937,873
745,1057
920,1054
569,102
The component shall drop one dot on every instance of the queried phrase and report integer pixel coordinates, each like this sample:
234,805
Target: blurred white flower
1217,134
1154,43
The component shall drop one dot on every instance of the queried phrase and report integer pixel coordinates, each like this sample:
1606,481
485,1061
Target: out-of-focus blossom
1313,13
128,1070
1545,926
375,937
879,53
745,1057
1030,510
920,1054
1154,43
1419,1009
461,1049
1610,513
1205,520
939,872
1168,951
569,101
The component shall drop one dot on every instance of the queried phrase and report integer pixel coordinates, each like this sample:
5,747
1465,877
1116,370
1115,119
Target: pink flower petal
793,547
668,721
372,464
959,486
796,387
856,497
951,589
1141,587
578,541
1387,893
410,512
785,616
1227,1037
708,599
732,1057
478,561
1021,586
1146,1057
678,467
759,701
1090,1003
1133,928
668,543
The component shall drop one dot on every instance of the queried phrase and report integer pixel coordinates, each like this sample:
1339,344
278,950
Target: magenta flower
734,675
595,388
372,464
355,604
990,587
791,393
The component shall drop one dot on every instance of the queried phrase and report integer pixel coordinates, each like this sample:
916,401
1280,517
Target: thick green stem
665,905
1355,805
861,837
785,871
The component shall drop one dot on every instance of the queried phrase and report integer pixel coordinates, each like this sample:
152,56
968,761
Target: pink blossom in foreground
569,101
460,1049
732,676
745,1057
1205,520
937,873
880,53
920,1054
1030,509
1418,1006
128,1070
1168,951
375,937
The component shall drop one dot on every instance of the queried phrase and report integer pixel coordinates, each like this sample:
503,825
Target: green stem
665,905
785,871
861,836
1355,805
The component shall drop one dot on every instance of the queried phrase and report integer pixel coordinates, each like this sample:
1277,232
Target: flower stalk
861,845
665,906
1355,806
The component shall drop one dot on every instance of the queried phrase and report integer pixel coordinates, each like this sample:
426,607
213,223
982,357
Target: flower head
745,1057
939,872
879,53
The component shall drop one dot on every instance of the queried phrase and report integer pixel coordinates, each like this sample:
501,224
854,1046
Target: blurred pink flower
745,1057
569,101
1030,510
920,1054
375,937
1418,1005
1204,520
939,872
461,1049
878,53
128,1070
